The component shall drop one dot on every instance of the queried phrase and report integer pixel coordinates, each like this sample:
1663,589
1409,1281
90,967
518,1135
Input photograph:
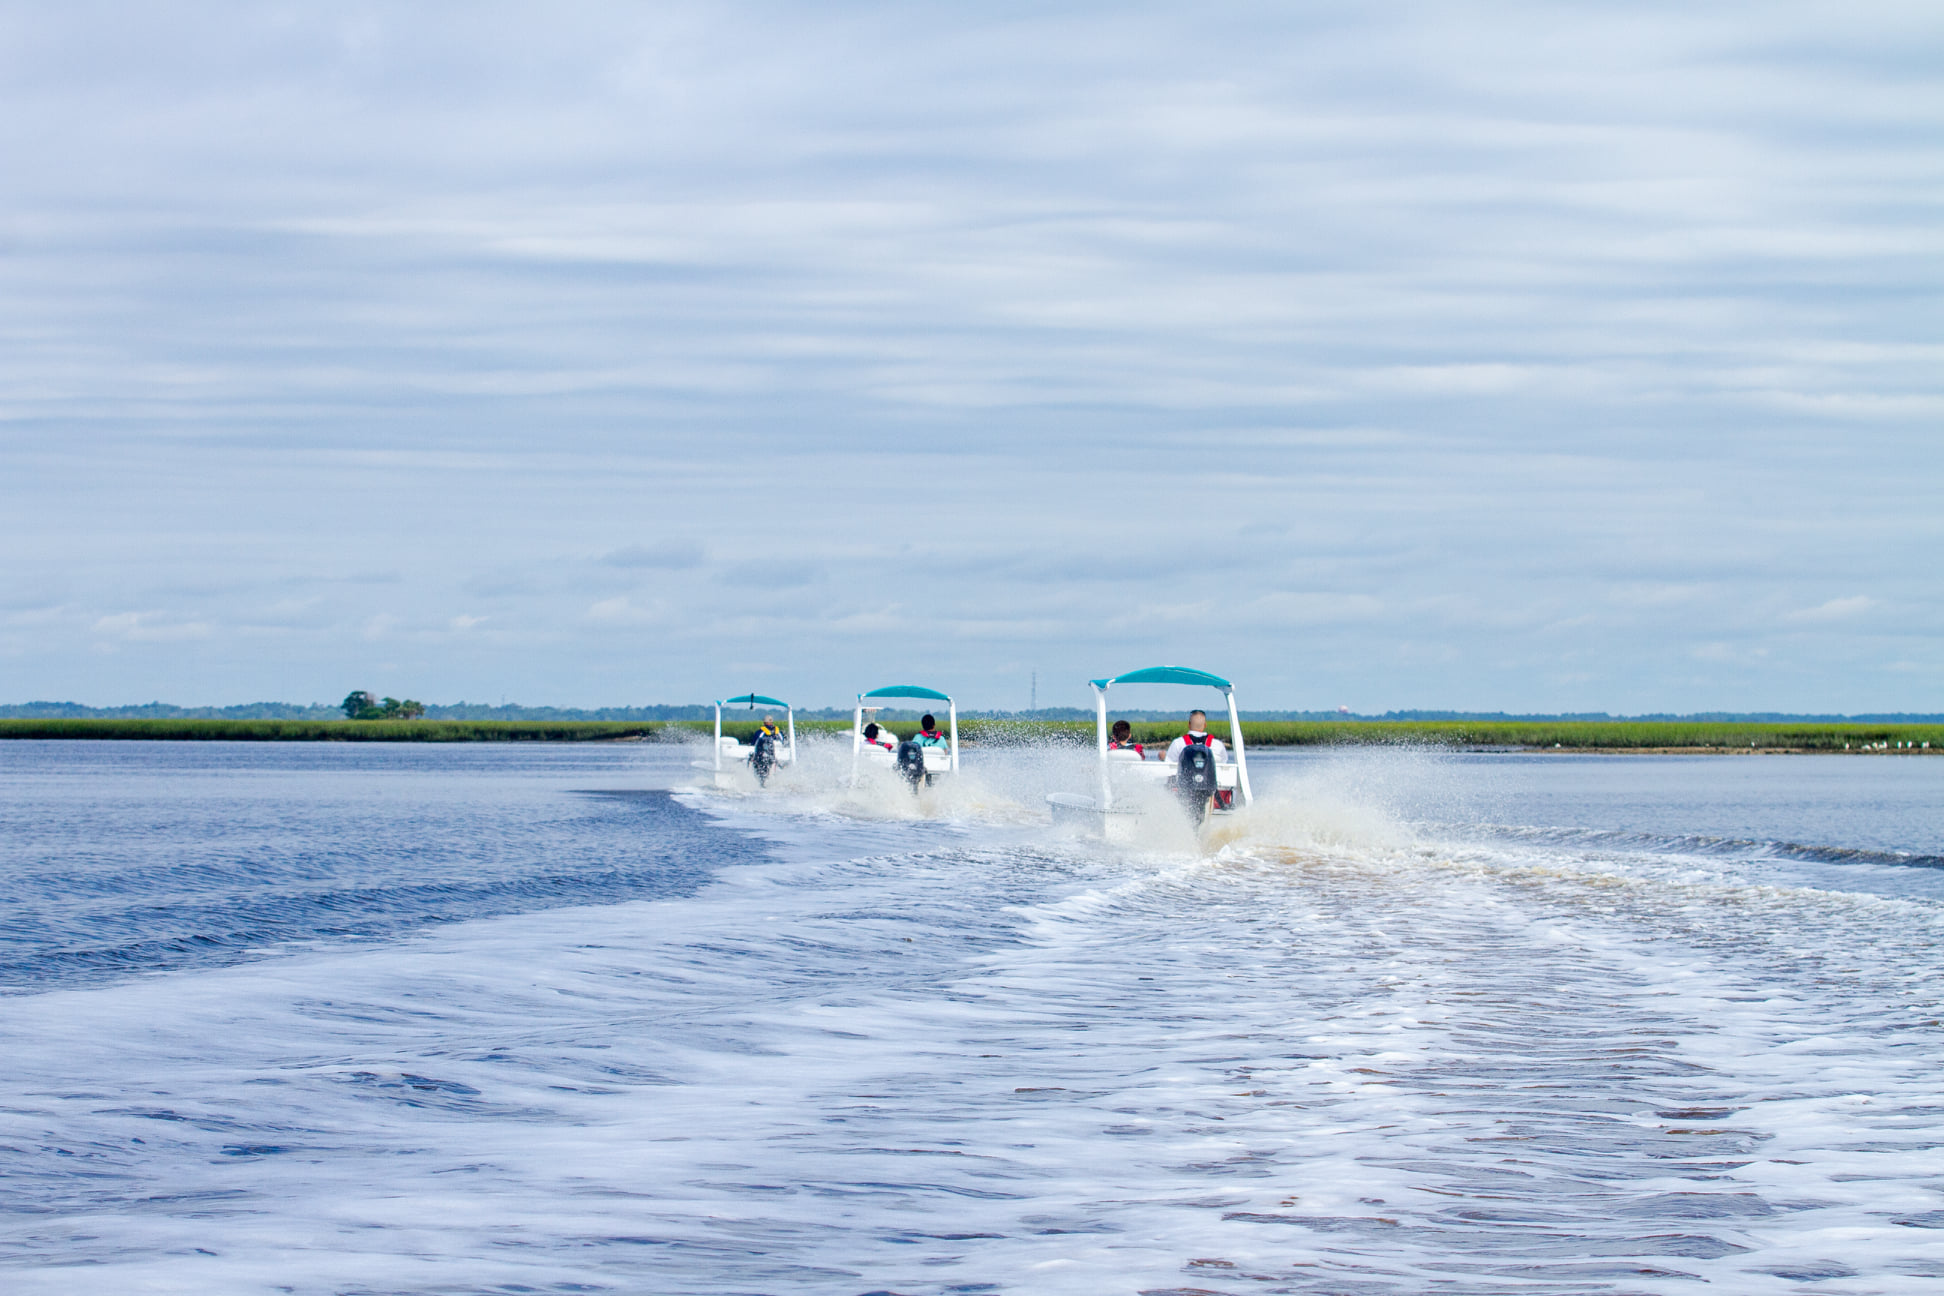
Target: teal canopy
907,691
753,699
1166,675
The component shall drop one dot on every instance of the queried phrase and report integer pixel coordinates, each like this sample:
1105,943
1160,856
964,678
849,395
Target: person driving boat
928,734
1199,736
1123,740
762,750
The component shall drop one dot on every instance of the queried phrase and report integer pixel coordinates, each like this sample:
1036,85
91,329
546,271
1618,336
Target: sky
1487,356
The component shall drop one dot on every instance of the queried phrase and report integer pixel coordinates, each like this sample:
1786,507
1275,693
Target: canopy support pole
789,718
857,735
1100,739
1241,756
951,712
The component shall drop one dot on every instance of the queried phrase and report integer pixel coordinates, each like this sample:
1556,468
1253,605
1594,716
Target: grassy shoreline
1564,736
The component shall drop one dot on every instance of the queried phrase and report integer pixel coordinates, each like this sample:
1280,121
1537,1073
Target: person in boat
872,738
762,755
1122,739
1198,734
928,735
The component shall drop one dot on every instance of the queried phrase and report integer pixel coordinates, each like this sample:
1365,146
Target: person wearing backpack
1199,736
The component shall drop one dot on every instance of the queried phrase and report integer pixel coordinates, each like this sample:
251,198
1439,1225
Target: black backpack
1196,770
911,762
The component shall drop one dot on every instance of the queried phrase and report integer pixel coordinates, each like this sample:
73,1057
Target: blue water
137,857
460,1019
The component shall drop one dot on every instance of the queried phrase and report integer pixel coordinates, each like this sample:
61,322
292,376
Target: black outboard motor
911,763
1195,780
762,757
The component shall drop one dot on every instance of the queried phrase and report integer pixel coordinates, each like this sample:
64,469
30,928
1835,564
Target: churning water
376,1019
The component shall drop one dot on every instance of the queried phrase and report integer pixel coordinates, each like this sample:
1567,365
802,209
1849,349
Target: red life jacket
1193,741
1117,745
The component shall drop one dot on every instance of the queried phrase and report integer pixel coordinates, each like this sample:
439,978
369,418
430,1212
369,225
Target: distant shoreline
1564,738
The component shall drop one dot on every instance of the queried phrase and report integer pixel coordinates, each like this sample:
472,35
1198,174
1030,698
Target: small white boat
736,762
916,762
1131,788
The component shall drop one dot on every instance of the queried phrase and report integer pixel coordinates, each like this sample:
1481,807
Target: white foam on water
936,1048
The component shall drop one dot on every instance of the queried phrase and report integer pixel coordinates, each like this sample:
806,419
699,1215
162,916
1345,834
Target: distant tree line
513,711
362,706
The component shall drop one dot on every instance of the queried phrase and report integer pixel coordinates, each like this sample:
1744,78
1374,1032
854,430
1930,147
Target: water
125,857
321,1019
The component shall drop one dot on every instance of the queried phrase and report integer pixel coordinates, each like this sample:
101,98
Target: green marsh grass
333,730
1587,735
746,729
1590,735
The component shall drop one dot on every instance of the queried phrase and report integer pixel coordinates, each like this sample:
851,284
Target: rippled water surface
384,1019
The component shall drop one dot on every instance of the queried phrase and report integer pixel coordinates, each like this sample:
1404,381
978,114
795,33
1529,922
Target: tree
362,706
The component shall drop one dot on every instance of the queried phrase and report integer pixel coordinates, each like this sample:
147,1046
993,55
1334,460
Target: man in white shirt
1199,735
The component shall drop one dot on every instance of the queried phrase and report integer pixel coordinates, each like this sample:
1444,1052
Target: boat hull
735,775
1120,823
1083,814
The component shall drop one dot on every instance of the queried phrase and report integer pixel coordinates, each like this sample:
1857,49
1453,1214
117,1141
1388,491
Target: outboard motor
762,758
1195,780
911,763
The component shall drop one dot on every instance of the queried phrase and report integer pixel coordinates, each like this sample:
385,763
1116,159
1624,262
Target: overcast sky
1500,356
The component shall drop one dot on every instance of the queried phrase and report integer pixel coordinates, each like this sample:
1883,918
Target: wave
133,916
1692,844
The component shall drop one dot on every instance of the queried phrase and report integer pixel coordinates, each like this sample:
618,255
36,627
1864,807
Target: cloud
150,627
622,611
1836,609
503,583
1310,608
769,575
37,614
668,555
1731,654
1358,350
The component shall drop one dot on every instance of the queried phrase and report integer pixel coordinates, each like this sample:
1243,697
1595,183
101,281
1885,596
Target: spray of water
1349,801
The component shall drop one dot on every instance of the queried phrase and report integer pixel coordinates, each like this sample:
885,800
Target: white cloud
999,341
150,627
671,555
1310,608
621,611
1836,609
1732,654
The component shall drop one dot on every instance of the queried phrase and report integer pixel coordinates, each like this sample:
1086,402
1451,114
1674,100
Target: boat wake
1348,1040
